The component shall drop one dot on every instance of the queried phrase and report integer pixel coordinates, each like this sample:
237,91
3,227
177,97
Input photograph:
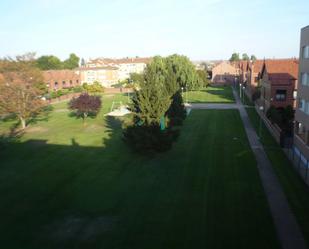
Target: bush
78,89
96,87
149,139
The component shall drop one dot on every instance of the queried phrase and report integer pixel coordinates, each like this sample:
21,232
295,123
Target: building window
76,81
281,95
56,83
71,82
305,79
306,52
301,104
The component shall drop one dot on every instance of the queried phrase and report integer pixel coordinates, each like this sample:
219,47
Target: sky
200,29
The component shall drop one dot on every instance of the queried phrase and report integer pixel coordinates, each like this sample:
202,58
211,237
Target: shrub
85,105
149,139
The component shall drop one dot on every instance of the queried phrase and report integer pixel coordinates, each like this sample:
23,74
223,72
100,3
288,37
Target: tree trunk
84,118
22,122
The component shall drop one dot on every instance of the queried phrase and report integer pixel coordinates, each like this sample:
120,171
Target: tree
49,62
82,62
245,57
85,104
235,57
184,70
72,62
21,88
176,112
253,58
203,77
136,78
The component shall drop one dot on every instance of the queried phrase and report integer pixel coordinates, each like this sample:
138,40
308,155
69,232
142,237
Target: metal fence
300,163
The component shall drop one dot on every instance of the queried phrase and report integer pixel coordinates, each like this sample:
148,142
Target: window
305,79
281,95
306,52
301,104
56,83
76,81
63,83
71,82
307,108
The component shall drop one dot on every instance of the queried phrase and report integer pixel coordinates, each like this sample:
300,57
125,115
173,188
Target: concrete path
211,106
288,231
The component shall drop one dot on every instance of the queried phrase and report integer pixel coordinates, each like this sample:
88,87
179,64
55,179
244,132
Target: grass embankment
294,187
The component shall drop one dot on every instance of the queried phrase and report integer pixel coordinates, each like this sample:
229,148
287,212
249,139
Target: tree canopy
85,104
235,57
21,87
245,57
51,62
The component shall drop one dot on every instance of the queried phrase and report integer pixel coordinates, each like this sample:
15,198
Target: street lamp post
261,108
240,90
243,94
182,92
186,94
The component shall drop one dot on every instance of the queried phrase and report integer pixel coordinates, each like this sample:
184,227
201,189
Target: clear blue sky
200,29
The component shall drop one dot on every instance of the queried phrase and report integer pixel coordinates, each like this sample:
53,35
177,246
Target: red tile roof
282,68
60,75
257,66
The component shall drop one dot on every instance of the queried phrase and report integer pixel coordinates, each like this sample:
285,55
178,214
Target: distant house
254,70
279,83
60,79
224,73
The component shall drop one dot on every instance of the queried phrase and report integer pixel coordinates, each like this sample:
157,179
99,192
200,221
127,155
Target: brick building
301,135
279,83
224,73
60,79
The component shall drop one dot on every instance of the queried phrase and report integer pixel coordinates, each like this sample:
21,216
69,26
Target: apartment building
279,83
60,79
124,66
301,136
105,75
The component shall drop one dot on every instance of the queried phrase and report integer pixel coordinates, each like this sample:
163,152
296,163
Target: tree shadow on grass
44,115
60,195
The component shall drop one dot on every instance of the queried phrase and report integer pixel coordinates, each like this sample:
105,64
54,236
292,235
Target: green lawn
59,128
93,192
293,186
210,95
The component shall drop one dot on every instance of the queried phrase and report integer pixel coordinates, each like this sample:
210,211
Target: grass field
204,193
211,95
57,127
293,186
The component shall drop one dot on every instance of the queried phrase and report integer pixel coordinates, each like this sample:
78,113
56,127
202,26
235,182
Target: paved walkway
211,106
288,231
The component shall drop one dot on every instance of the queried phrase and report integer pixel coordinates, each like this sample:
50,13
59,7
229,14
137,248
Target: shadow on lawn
14,133
56,195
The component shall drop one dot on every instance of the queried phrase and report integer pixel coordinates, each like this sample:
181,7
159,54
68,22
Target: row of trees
245,56
158,106
51,62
